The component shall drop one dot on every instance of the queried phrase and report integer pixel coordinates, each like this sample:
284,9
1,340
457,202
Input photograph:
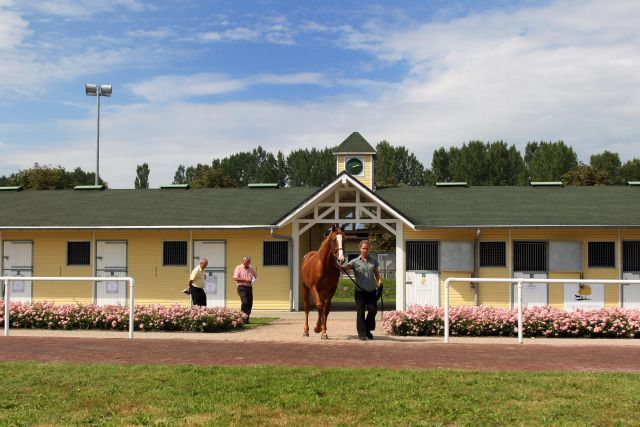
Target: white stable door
533,294
18,262
423,288
215,252
111,261
631,293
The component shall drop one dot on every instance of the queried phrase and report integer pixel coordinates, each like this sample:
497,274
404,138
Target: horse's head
337,238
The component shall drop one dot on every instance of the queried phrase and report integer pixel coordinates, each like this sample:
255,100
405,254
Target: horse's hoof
305,334
324,337
317,330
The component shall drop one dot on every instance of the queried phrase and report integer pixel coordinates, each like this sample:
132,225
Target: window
275,253
174,253
602,254
78,253
493,254
423,255
631,256
529,256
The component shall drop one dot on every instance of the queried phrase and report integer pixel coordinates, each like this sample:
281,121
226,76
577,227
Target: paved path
282,344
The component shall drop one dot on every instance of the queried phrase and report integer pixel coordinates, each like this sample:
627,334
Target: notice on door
583,296
211,284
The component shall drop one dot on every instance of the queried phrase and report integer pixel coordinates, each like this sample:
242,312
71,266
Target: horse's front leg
320,307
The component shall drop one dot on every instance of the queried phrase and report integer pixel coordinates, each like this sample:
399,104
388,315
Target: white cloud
173,87
12,27
83,9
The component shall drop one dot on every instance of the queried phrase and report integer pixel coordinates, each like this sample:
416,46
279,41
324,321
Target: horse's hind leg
305,300
320,308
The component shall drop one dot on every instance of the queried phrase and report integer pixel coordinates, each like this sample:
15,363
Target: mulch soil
476,356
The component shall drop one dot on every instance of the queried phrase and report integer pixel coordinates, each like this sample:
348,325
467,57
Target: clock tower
356,156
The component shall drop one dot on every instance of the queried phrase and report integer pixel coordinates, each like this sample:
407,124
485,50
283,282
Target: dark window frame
422,262
540,264
273,256
487,255
179,252
629,262
601,260
75,257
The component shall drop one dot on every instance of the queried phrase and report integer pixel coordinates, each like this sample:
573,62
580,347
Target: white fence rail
519,282
7,293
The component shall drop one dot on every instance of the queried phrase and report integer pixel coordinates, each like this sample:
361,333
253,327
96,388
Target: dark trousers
246,298
365,300
198,297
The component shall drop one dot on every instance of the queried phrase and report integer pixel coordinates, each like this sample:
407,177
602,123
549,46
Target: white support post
295,303
400,267
131,305
520,332
446,310
6,307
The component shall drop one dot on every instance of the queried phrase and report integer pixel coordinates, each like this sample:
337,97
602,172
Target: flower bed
44,315
537,322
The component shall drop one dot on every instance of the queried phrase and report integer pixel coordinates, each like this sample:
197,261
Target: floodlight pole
98,141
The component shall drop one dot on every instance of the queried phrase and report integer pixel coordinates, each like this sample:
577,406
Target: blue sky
198,80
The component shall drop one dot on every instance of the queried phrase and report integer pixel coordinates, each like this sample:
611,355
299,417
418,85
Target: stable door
215,252
111,261
18,262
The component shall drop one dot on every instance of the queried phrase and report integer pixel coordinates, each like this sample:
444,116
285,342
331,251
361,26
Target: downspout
290,260
619,262
476,266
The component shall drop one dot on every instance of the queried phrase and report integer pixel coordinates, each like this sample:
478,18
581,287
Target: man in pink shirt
245,276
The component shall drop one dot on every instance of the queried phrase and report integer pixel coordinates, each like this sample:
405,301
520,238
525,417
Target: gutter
290,260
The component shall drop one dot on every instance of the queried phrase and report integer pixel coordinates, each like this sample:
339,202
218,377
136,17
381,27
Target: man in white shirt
196,284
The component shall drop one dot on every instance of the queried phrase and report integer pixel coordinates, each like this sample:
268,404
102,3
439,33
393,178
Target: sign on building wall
583,296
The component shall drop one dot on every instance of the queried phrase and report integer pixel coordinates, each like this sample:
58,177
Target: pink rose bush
44,315
537,322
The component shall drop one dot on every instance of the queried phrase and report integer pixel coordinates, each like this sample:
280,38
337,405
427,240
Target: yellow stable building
451,229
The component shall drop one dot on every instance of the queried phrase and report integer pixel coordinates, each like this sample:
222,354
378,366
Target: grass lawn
63,394
344,293
259,321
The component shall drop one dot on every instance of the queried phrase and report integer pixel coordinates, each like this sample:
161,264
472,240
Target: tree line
475,162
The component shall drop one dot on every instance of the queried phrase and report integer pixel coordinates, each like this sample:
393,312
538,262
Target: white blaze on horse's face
340,251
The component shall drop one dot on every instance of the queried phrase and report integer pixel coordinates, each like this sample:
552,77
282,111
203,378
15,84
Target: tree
142,176
440,165
610,163
212,178
180,176
548,161
47,177
396,166
311,168
631,170
585,175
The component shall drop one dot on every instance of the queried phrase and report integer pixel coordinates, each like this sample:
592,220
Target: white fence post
446,310
6,307
520,334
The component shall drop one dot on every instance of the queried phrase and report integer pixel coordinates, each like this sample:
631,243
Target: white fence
519,282
7,293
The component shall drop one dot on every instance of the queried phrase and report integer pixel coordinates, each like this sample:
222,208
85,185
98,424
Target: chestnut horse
320,274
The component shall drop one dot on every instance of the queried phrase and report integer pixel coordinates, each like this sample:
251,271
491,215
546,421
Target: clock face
355,166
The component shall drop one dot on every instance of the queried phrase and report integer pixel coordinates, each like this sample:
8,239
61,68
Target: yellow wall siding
460,293
440,234
494,294
155,283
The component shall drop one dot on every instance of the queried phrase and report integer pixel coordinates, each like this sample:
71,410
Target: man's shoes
362,338
369,335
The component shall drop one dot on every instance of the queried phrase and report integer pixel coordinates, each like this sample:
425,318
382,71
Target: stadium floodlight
98,91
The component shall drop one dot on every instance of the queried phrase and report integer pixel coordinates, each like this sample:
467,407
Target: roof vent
452,184
546,184
631,183
175,187
89,187
16,188
263,185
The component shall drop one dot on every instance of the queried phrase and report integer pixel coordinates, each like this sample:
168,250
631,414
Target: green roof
148,208
355,143
516,206
423,206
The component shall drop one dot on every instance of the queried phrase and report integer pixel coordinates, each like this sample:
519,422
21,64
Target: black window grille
275,253
631,256
529,256
602,254
493,254
423,255
78,253
174,253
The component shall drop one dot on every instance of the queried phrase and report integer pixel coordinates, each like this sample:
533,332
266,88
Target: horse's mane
325,243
